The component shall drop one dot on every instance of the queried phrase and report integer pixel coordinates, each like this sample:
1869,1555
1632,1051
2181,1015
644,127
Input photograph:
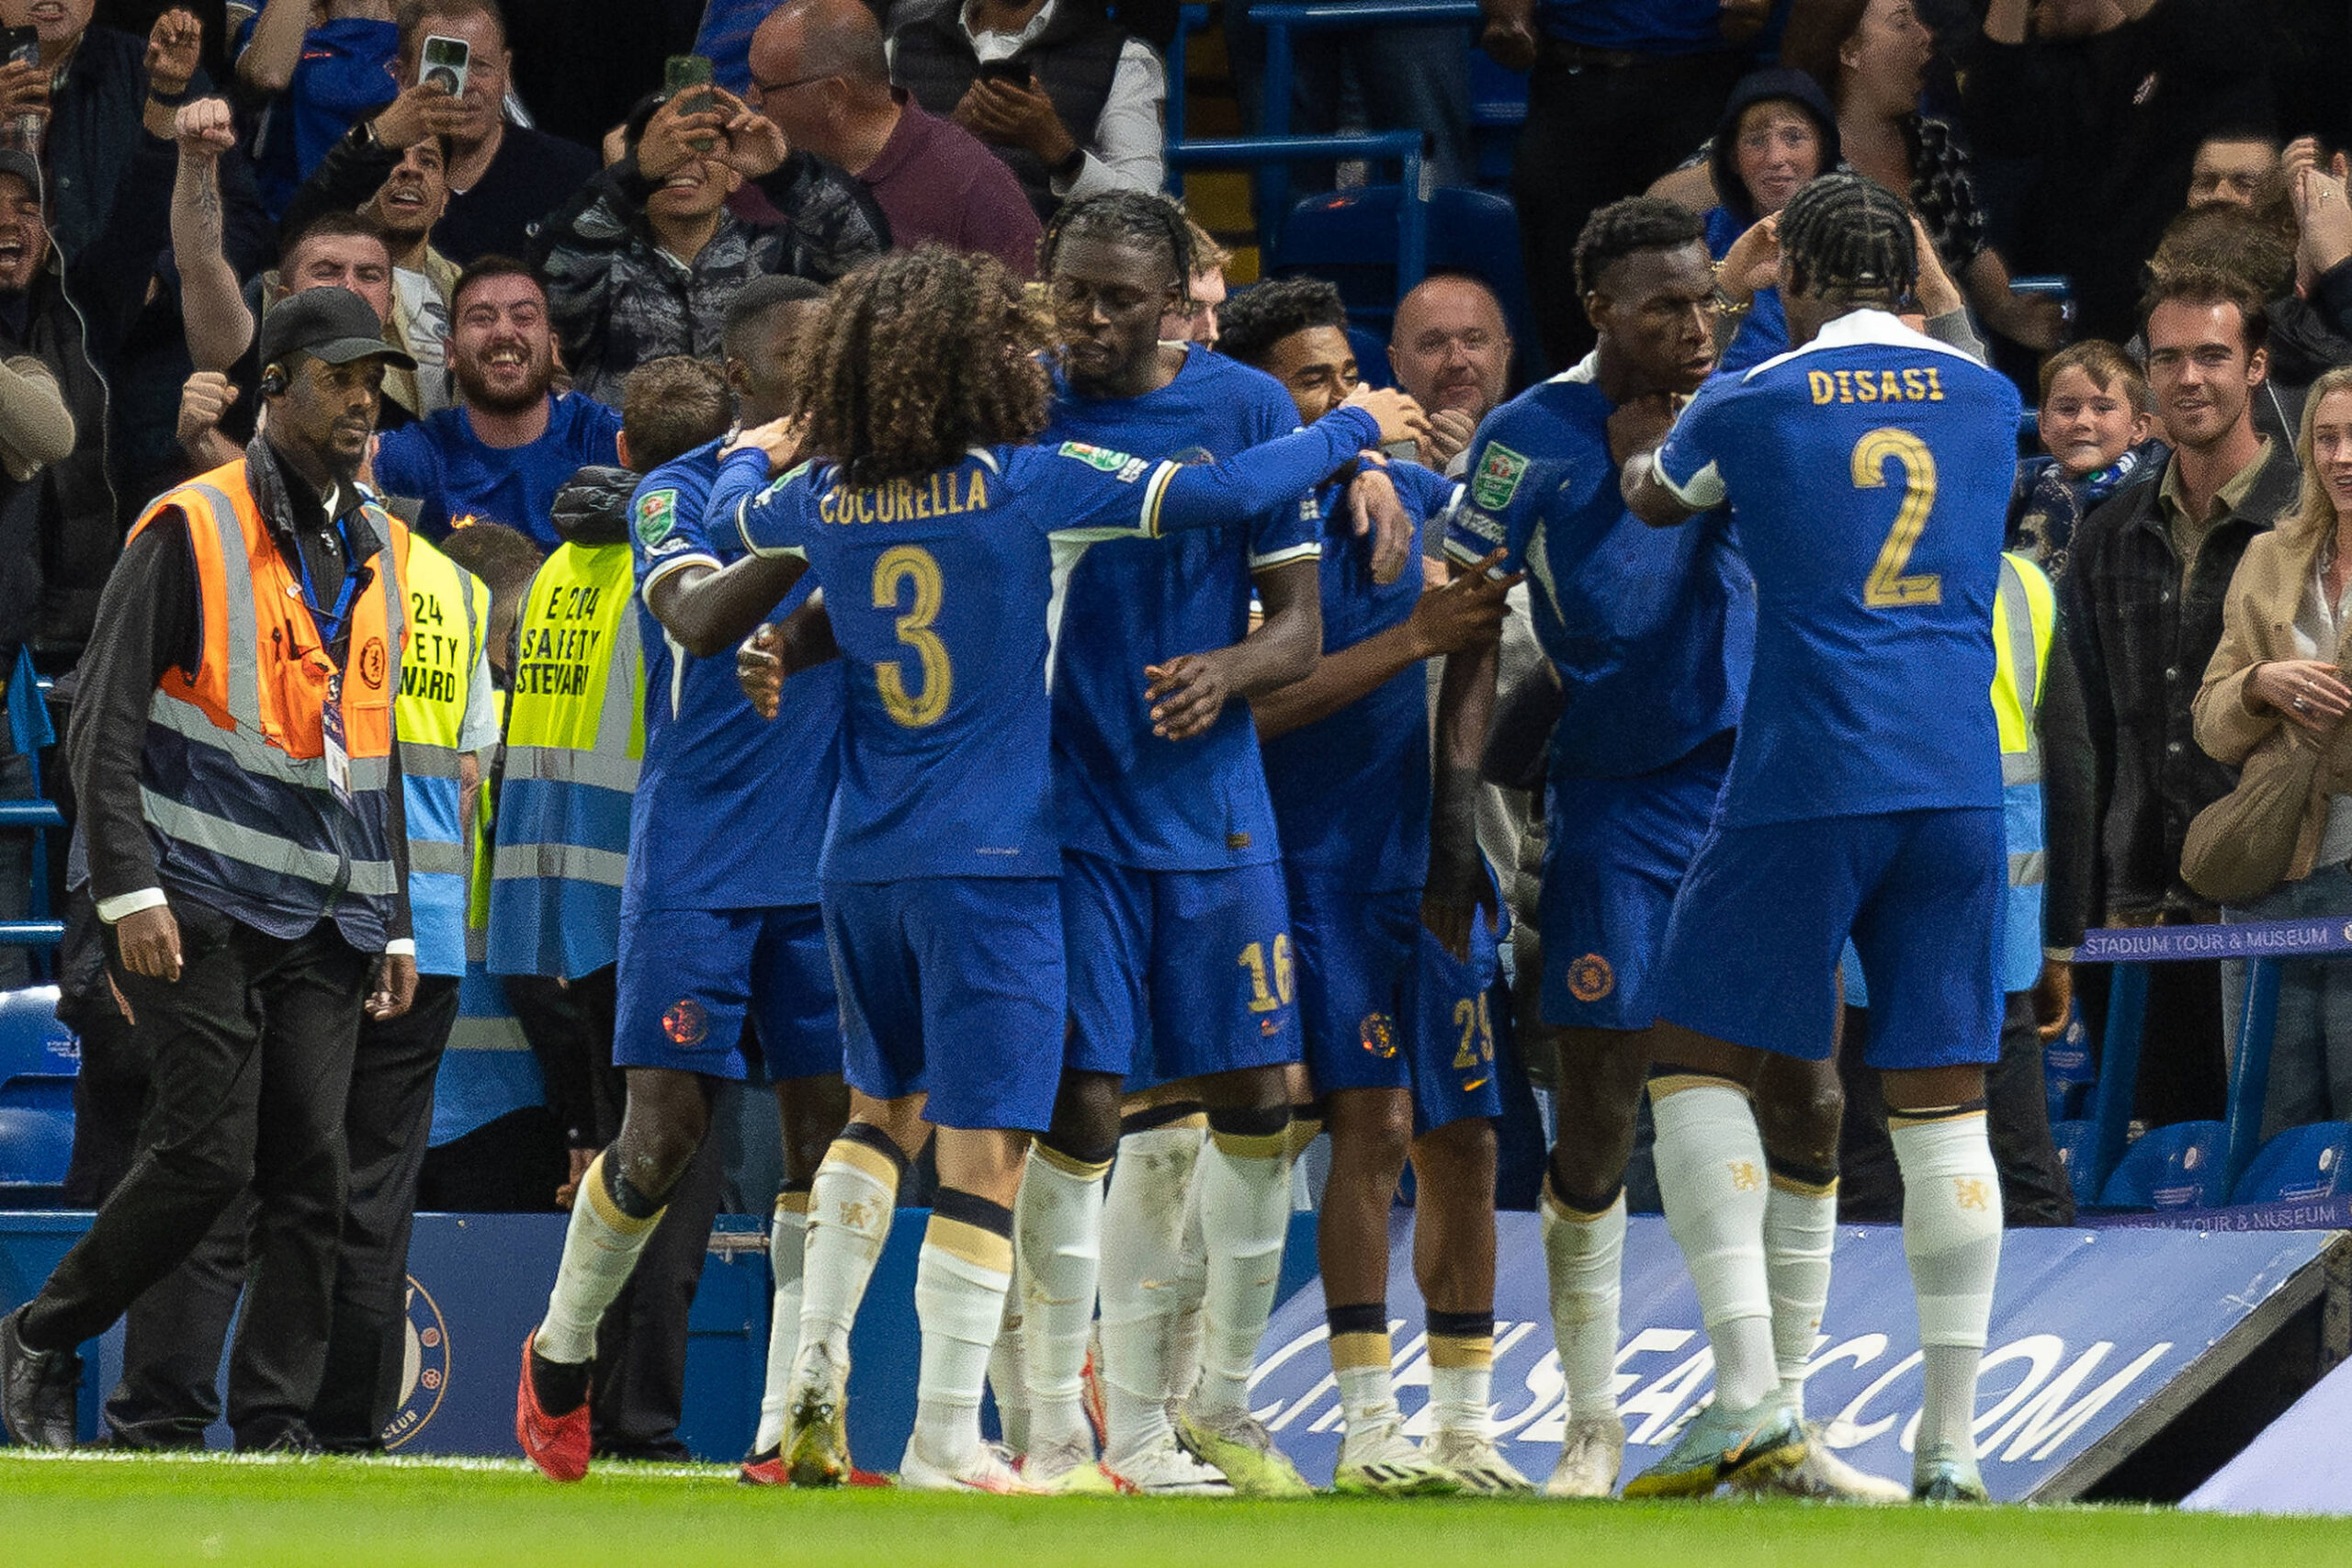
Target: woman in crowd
2277,679
1872,57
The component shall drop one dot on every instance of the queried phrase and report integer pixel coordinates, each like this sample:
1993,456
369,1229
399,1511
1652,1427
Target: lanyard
332,623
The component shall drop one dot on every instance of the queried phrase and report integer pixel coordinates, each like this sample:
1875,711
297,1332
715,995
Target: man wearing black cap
240,817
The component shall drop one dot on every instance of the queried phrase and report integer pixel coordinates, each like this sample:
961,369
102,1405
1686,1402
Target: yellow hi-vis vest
2025,621
448,609
575,737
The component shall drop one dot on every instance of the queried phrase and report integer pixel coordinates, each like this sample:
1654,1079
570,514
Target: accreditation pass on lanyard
331,732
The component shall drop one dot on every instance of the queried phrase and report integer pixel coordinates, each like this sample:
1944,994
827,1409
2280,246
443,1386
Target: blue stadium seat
1497,109
2177,1166
1350,237
2299,1164
32,1043
36,1145
2076,1140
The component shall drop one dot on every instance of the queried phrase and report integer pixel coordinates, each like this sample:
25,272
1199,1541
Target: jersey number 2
1888,588
914,629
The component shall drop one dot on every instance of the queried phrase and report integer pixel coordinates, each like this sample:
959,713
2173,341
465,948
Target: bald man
1450,349
818,72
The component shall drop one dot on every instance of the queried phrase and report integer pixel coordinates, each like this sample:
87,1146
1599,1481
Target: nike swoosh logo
1475,1083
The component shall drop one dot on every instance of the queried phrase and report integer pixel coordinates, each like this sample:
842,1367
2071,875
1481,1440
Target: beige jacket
2258,628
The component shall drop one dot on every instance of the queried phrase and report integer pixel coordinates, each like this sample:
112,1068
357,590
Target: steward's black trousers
252,1051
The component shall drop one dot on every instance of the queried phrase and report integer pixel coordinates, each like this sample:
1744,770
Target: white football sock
1058,1221
1141,1274
1800,1233
1952,1237
1711,1180
600,1250
1462,1372
1585,1256
1360,1359
1181,1316
961,1277
1008,1369
850,1207
1245,1219
787,1240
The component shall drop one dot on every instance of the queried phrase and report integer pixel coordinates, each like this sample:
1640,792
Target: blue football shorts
1752,949
690,979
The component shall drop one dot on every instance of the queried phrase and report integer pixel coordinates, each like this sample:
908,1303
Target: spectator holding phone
87,102
502,179
1072,103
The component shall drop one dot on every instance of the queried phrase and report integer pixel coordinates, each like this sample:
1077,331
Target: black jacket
2140,645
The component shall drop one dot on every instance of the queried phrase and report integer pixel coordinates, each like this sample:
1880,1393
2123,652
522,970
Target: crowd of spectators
2180,164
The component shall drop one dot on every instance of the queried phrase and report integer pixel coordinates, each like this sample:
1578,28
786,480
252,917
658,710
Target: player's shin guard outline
1800,1236
961,1277
1058,1227
1244,1177
601,1245
1952,1238
1710,1178
1584,1257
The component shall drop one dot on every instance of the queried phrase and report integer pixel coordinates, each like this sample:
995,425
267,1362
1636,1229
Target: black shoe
37,1389
293,1438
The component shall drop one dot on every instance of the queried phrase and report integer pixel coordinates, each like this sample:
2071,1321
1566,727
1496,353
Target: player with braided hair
1648,635
944,537
1868,467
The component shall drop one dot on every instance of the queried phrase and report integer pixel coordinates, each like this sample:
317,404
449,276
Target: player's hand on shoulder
759,670
1466,612
1186,695
1639,425
1400,417
779,438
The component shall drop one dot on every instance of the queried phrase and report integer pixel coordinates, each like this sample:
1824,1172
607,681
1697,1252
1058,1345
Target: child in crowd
2098,428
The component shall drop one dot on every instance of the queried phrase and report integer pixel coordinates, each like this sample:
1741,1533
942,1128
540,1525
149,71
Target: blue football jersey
730,811
1122,793
940,592
1652,630
1871,471
1352,790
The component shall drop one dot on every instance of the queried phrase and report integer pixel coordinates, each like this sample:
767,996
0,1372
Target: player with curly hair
940,535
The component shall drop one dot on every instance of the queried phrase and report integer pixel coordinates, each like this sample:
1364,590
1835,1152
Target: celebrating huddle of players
1125,894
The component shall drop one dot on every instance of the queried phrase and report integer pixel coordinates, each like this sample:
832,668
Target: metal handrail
1403,146
31,814
31,934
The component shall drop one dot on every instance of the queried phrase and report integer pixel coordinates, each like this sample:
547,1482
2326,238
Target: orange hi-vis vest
234,783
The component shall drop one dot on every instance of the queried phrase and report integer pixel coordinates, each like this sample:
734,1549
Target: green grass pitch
114,1509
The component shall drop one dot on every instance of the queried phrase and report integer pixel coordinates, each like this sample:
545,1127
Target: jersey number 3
1888,588
890,573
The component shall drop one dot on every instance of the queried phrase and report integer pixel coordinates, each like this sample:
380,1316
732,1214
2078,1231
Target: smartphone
444,61
21,46
682,71
1402,451
1005,71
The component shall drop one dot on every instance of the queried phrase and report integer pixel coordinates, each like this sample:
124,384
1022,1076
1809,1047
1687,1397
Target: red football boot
557,1444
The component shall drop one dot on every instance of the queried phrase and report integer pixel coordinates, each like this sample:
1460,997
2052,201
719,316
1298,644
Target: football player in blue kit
1650,635
1400,1046
1868,467
939,538
719,912
1172,895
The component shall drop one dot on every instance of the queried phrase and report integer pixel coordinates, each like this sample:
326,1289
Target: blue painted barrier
2130,949
1272,152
